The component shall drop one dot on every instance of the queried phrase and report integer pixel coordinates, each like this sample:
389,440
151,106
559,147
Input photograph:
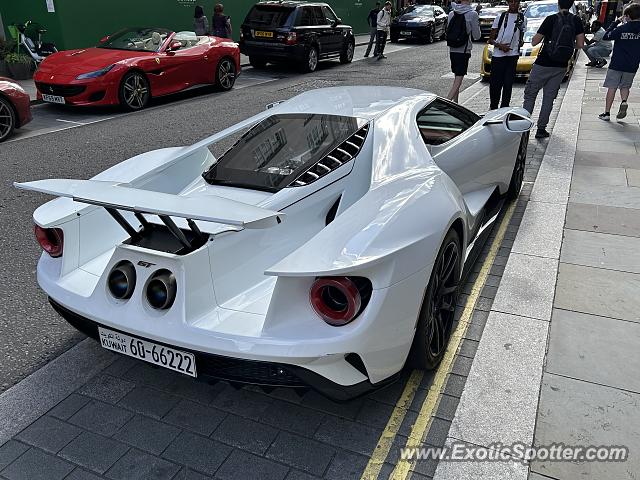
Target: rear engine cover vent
343,153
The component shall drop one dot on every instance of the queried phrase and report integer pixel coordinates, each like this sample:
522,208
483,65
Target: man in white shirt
383,22
506,35
597,48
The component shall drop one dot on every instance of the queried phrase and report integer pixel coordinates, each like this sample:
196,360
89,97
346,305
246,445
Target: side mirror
516,123
337,22
175,46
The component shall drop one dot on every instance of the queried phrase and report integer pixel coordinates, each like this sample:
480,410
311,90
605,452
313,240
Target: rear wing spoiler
115,196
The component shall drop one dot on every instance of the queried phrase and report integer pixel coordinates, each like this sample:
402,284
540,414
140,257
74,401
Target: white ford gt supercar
324,248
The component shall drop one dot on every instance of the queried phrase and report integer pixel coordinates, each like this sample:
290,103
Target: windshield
279,149
492,12
137,39
418,10
541,10
273,16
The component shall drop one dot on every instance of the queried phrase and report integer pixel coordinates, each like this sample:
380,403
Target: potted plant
19,65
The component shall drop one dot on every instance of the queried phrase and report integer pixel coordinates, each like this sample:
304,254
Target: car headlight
96,74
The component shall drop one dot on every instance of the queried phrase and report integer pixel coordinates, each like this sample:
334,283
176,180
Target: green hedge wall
81,23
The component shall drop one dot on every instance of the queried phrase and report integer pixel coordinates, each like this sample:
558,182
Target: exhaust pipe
161,289
122,280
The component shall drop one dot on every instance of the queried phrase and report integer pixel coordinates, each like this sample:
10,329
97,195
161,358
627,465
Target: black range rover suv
291,31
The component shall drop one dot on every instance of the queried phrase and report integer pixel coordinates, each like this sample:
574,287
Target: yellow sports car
535,13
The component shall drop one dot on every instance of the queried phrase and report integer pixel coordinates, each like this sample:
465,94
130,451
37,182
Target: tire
346,56
518,169
394,39
444,31
225,74
134,91
257,62
7,119
310,64
435,320
432,34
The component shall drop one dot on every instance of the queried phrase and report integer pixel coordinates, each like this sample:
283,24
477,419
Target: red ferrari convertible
135,64
15,109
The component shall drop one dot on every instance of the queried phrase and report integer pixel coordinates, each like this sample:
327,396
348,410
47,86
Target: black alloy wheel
225,74
346,56
134,91
436,318
257,62
310,63
518,170
7,119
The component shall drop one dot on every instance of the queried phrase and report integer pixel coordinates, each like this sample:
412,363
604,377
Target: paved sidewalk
558,359
590,391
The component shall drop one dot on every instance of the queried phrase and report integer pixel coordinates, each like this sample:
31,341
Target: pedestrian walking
624,59
200,22
382,26
463,27
506,36
372,21
220,23
597,48
561,34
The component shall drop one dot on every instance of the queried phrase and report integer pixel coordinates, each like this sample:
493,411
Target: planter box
4,71
20,71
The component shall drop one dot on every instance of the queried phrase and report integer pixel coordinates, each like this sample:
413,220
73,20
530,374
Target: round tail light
161,289
50,239
122,280
336,300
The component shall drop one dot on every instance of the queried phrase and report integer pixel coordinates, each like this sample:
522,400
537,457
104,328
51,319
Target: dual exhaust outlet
159,290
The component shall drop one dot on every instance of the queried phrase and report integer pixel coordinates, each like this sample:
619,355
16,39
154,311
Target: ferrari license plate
263,34
405,32
53,98
166,357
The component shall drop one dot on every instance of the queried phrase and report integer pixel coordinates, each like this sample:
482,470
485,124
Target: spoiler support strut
122,221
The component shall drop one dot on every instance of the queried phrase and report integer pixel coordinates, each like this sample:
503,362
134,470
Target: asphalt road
31,334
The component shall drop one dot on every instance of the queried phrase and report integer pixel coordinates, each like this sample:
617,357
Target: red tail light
50,239
339,300
292,38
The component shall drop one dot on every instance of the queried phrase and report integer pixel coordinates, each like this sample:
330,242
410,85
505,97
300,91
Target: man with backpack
463,25
562,33
506,37
372,20
383,21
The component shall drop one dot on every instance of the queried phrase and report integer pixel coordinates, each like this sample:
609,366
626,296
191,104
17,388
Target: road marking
68,121
381,451
431,402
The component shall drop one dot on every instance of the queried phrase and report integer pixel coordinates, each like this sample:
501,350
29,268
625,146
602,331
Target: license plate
177,360
405,32
263,34
53,98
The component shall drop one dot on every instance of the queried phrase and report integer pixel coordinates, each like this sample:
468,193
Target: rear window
271,15
276,151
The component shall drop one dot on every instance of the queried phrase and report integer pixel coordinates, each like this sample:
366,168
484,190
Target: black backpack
457,35
562,43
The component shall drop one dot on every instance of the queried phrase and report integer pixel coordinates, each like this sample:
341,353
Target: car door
336,33
466,149
182,68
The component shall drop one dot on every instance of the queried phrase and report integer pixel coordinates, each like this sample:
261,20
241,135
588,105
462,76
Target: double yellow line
432,400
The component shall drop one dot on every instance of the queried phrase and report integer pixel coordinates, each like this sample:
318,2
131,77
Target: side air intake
343,153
